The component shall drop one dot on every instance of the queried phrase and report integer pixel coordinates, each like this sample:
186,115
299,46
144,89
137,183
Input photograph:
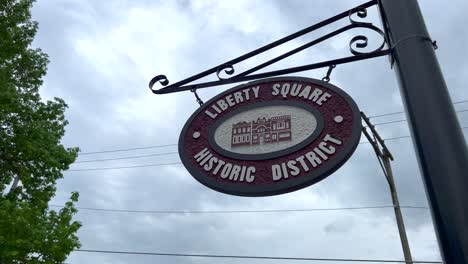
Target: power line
127,149
169,145
390,122
395,138
404,120
175,152
401,112
388,139
177,163
159,154
128,157
245,211
127,167
249,257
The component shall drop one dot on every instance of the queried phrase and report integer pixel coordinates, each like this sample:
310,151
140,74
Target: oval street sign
271,136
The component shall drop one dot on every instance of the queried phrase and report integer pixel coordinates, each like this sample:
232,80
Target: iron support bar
175,89
437,136
356,46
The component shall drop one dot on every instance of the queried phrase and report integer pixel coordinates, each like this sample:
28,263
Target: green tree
32,157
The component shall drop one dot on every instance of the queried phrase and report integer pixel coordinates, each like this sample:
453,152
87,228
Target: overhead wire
232,211
404,120
387,139
250,257
401,112
126,149
128,157
395,138
243,211
170,145
177,163
127,167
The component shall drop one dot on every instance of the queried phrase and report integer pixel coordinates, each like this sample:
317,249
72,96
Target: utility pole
386,157
437,136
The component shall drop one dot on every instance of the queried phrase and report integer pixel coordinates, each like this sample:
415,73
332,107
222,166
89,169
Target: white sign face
265,129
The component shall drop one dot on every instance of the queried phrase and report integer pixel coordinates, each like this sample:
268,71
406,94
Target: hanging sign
271,136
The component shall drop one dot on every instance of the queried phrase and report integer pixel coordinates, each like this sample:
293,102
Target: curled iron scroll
162,79
227,69
358,46
361,12
361,41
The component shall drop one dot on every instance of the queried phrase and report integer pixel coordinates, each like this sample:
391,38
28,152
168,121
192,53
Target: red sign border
291,185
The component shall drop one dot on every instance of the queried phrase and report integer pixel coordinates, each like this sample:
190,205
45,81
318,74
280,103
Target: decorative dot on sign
338,119
196,134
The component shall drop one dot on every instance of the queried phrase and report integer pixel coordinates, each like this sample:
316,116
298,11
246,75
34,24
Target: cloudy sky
103,53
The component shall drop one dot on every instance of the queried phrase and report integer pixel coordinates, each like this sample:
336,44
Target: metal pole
437,136
396,207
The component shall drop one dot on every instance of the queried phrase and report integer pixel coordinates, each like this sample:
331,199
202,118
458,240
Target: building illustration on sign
262,131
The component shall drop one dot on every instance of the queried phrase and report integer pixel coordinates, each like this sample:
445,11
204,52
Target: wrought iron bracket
356,46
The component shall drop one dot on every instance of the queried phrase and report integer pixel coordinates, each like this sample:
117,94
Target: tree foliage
30,149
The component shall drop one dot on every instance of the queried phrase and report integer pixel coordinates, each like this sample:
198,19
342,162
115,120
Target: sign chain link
199,100
327,77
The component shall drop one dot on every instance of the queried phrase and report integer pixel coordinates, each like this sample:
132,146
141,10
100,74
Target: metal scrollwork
360,12
361,41
357,46
162,79
227,69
